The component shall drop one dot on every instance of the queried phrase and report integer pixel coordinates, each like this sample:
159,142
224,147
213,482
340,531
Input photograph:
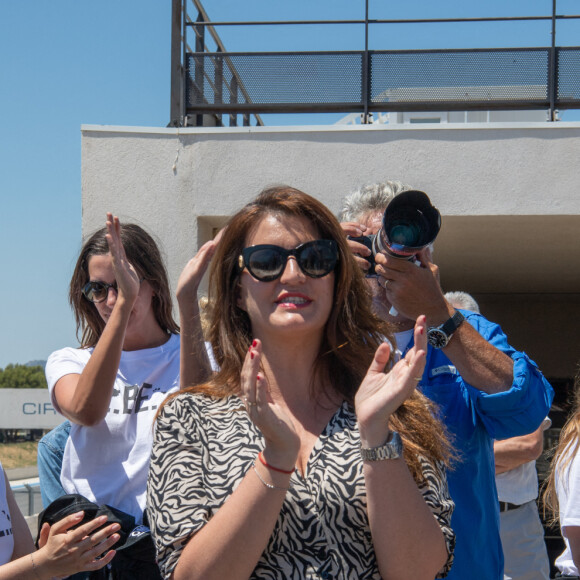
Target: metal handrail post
199,64
177,85
234,99
366,73
30,499
219,83
552,70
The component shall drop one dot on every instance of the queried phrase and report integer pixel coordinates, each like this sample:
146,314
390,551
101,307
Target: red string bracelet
265,464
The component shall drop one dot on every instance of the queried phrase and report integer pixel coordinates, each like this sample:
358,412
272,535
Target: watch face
437,338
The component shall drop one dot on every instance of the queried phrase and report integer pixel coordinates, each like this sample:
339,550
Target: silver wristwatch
391,449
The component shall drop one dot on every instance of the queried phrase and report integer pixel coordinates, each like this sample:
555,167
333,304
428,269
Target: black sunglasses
266,262
98,291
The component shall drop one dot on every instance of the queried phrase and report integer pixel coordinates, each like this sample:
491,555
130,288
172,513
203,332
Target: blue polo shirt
474,419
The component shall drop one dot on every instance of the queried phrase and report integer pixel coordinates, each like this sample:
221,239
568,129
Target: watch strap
439,336
452,324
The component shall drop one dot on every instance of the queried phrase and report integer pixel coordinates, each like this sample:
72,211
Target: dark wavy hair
351,336
143,253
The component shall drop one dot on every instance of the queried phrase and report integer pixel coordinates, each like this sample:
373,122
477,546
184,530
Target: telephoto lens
410,223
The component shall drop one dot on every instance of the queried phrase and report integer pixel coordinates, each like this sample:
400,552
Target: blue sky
71,62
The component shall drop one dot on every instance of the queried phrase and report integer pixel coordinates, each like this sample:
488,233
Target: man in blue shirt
485,389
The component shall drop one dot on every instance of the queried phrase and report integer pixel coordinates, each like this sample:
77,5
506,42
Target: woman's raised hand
191,276
64,551
282,441
380,394
127,278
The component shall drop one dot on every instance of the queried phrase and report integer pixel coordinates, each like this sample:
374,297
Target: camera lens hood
410,223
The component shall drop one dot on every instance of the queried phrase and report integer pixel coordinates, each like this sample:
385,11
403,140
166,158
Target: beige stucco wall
180,184
488,169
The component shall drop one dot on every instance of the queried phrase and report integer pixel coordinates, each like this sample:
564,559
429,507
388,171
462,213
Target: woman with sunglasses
300,458
111,387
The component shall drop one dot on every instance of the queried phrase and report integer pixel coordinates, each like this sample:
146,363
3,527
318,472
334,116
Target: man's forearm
513,452
479,363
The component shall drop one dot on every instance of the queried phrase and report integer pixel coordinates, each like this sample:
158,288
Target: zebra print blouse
204,447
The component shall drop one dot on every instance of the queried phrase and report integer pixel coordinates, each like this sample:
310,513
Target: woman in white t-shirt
128,362
562,493
63,550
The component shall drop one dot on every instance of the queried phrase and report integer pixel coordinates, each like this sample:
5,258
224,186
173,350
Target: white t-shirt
6,537
108,463
568,492
520,485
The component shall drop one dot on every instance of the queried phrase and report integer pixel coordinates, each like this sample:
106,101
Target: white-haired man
485,389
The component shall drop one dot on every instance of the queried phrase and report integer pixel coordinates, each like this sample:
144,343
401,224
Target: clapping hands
127,278
381,394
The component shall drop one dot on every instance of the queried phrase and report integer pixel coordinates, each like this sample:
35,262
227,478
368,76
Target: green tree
22,377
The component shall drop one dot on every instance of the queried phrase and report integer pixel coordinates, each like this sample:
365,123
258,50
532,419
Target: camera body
370,243
410,223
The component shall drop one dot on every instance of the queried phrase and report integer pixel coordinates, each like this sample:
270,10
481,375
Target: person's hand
190,277
413,289
282,441
127,278
64,551
360,251
380,394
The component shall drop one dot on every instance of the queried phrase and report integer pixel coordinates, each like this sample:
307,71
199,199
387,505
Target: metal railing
182,85
31,491
210,83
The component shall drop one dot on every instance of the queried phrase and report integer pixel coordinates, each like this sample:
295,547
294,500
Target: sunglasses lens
95,291
266,264
318,258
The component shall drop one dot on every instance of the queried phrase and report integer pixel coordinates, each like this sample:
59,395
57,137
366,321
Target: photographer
485,389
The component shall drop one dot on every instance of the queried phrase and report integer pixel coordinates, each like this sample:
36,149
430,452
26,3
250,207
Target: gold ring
418,379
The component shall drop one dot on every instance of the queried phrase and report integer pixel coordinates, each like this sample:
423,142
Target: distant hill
35,363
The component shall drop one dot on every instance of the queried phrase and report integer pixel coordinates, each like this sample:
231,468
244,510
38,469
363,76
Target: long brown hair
568,446
143,253
352,333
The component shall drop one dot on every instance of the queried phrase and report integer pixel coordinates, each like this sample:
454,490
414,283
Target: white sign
27,409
